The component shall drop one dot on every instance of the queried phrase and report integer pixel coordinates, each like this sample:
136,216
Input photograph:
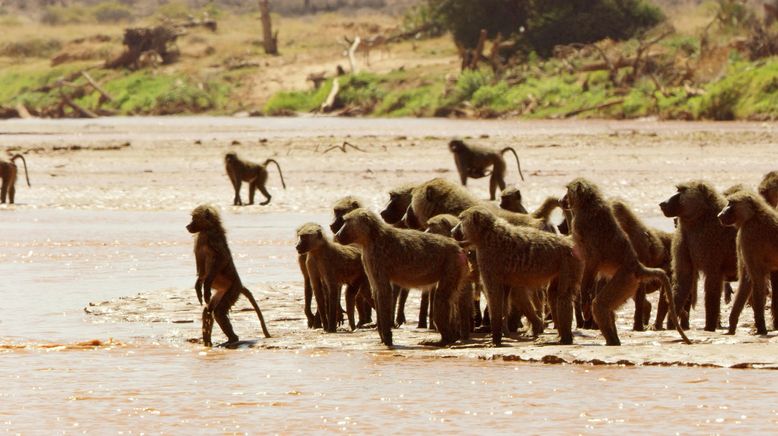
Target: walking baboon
757,248
8,173
652,251
701,245
607,252
518,259
399,200
473,161
439,196
216,270
255,174
410,259
768,189
330,266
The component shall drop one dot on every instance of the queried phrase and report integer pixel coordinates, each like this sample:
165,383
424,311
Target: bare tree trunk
270,39
307,6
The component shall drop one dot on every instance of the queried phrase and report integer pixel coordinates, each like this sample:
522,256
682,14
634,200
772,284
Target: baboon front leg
529,310
264,192
252,189
308,291
685,280
3,191
495,296
383,306
638,324
563,316
400,309
236,201
11,194
444,296
774,299
423,307
714,286
318,293
207,326
332,295
741,296
758,300
661,312
493,182
351,300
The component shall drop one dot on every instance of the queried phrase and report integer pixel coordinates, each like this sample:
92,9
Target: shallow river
64,371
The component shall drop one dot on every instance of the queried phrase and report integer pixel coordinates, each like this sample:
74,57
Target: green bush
297,101
109,12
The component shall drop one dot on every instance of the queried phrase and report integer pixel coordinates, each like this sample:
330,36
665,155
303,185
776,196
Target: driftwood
342,148
329,103
104,96
351,59
593,108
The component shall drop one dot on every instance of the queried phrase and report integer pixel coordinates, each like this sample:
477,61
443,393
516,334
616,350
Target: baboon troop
216,271
8,174
255,174
474,161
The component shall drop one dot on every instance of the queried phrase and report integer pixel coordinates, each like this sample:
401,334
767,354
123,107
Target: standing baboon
473,161
8,172
410,259
518,259
330,266
768,189
701,245
255,174
653,250
215,269
757,248
607,252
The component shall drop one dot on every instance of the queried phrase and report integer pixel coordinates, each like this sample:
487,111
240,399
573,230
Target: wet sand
96,249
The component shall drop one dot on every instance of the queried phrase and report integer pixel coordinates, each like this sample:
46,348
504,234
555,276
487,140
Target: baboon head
510,199
457,145
442,224
204,217
399,200
472,223
741,206
359,226
230,157
768,188
691,200
342,207
410,220
579,193
309,237
735,188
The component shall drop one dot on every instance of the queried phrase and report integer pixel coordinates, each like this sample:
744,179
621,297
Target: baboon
399,200
768,189
757,248
653,251
255,174
8,172
606,251
472,161
411,259
342,207
330,266
439,196
701,245
521,258
314,319
510,199
216,270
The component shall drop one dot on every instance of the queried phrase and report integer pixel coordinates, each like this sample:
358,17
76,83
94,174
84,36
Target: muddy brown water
99,321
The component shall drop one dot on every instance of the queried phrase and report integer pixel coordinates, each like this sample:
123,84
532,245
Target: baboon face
578,191
203,218
471,223
771,196
355,227
440,225
339,211
686,203
230,157
395,209
740,208
456,146
410,220
309,236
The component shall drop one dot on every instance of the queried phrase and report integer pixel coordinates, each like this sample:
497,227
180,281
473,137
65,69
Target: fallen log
593,108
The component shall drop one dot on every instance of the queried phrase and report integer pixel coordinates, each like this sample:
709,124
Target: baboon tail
545,209
279,171
253,302
660,275
26,176
518,162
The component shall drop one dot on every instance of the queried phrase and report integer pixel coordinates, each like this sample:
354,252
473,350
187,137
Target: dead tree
270,39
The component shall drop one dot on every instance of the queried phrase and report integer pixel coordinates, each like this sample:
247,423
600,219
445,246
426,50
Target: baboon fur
216,270
701,245
757,247
522,258
473,161
653,248
8,174
255,174
607,252
411,259
330,266
768,189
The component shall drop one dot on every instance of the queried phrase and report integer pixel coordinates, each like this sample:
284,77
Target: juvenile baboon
410,259
8,172
330,266
606,251
518,259
255,174
399,200
653,252
216,270
757,248
510,199
701,245
768,189
473,161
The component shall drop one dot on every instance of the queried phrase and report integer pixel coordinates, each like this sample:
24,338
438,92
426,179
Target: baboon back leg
252,189
493,184
686,280
236,182
444,296
619,288
714,286
308,294
477,318
661,312
11,193
495,295
264,192
382,295
321,304
351,303
3,191
528,308
758,300
741,296
332,294
563,314
774,299
423,308
207,326
400,309
638,324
